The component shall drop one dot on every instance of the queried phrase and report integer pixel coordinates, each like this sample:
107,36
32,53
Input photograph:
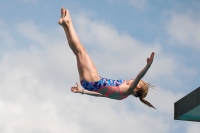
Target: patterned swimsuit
103,83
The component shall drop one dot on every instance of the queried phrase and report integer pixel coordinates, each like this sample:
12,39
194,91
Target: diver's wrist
82,91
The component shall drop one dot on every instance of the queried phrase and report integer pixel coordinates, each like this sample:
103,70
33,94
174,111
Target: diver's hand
76,89
150,59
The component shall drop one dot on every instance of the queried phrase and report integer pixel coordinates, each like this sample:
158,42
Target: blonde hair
142,93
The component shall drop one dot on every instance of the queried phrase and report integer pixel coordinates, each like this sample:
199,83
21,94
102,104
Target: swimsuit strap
122,94
109,91
104,83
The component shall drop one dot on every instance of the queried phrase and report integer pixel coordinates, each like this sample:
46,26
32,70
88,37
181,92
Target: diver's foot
65,17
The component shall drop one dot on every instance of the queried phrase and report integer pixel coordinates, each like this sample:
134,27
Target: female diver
90,80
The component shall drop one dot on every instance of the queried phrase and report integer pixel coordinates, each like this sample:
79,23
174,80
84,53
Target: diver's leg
86,67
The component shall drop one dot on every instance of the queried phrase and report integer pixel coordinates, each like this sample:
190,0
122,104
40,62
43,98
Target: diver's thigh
86,66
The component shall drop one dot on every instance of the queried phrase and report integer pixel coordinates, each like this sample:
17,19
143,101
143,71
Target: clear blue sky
38,68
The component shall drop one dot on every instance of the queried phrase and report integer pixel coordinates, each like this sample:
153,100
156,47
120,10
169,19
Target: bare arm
92,93
77,89
141,74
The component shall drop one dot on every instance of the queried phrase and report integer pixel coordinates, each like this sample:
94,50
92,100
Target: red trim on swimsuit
104,83
109,91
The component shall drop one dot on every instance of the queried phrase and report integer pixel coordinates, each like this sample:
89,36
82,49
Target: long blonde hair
142,93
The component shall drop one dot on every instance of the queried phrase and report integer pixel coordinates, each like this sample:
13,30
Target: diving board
188,107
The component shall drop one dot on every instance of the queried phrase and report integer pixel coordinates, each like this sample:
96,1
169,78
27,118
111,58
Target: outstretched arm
141,74
77,89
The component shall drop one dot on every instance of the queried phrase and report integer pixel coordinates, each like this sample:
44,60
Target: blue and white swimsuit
104,83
